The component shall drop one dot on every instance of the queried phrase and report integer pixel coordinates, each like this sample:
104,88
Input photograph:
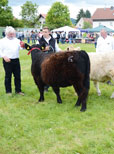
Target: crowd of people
34,35
10,46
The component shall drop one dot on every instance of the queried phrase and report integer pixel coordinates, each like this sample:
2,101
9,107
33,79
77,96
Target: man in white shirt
105,43
9,51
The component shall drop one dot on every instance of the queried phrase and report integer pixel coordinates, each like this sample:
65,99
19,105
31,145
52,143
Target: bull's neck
36,55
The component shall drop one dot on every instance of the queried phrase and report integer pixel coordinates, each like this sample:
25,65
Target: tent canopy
98,29
66,29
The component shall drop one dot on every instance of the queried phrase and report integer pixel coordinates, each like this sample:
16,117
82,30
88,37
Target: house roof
42,15
88,20
103,14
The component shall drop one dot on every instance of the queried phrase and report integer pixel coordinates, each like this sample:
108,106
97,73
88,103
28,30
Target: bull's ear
27,47
43,45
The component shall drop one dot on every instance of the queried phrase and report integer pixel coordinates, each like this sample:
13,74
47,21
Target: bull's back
59,71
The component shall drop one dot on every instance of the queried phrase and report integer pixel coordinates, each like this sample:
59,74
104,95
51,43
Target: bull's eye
42,48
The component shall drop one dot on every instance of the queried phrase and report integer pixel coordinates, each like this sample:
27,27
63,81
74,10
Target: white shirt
105,45
9,48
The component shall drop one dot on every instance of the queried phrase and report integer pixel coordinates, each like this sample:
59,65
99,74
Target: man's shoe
20,93
9,94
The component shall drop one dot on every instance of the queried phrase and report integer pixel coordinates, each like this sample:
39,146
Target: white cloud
43,9
16,11
73,8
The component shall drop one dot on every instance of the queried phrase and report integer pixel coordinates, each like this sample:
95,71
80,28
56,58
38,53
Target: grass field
28,127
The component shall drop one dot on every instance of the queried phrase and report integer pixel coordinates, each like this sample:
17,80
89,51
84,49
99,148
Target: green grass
28,127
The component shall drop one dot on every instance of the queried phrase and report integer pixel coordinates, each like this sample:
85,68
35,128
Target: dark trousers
10,68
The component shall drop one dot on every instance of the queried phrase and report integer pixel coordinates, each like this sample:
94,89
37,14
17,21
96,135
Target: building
42,18
80,23
103,16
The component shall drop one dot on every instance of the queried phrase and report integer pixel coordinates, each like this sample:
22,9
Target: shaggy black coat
61,70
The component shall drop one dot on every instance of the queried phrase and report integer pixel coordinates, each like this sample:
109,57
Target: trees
29,14
87,14
87,25
58,16
83,14
80,15
6,16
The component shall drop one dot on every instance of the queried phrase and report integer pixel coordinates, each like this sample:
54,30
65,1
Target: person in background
58,37
63,37
28,34
33,37
96,36
50,43
70,36
3,34
9,51
105,43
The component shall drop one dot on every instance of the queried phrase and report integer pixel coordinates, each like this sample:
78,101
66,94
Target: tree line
57,16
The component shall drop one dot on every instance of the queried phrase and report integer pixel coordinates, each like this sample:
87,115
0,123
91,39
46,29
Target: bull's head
34,46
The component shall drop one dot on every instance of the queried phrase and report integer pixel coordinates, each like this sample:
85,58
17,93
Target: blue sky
49,2
73,5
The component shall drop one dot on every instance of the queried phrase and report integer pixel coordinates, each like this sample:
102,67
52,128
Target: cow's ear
27,47
42,48
43,45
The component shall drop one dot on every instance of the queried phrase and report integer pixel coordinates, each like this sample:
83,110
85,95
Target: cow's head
33,47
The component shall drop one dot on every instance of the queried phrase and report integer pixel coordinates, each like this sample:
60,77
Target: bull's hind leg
82,96
57,92
78,91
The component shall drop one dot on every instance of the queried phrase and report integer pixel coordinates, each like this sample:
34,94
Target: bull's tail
87,75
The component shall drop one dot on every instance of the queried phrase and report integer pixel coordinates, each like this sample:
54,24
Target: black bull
61,70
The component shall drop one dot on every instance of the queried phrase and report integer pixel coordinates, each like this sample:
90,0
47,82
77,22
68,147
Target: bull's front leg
57,92
40,86
41,90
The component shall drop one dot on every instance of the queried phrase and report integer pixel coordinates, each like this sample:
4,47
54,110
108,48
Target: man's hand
6,59
22,44
47,48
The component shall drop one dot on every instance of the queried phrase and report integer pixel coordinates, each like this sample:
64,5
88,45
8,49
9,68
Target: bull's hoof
83,110
40,100
59,101
77,105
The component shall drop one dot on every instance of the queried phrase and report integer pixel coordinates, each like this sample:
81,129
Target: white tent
66,29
